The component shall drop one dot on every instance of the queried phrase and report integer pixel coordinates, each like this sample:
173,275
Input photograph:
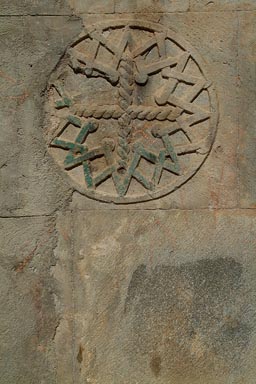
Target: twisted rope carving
153,113
135,112
104,112
126,86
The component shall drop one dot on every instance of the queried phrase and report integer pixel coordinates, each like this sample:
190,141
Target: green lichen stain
64,103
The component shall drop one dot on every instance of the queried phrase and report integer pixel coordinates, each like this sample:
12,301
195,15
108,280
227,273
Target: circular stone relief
131,112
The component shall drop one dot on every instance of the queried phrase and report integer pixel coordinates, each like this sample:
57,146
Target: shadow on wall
188,320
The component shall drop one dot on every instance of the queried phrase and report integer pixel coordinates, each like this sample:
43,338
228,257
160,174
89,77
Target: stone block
27,173
215,185
162,296
62,272
28,316
246,5
34,7
247,110
215,5
88,6
152,292
151,6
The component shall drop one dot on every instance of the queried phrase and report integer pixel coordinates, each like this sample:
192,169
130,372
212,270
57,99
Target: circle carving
131,112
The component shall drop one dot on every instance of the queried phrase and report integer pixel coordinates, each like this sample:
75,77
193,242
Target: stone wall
115,271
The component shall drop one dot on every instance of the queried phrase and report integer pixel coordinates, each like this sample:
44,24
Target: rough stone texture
150,6
156,292
247,115
141,99
62,272
96,6
28,175
219,172
28,315
35,7
212,5
178,304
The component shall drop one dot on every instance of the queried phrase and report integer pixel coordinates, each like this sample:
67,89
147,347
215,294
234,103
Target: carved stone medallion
131,112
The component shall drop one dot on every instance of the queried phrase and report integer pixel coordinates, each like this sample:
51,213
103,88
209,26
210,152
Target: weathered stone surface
215,5
62,273
88,6
29,181
247,112
35,7
28,315
145,125
214,36
150,6
147,293
178,304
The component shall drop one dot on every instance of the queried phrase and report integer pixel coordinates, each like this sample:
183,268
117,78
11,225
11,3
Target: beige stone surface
62,272
96,6
30,49
247,91
88,101
28,314
213,5
147,293
149,6
178,304
216,183
34,7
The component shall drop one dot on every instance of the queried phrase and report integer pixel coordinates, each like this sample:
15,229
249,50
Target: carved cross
126,70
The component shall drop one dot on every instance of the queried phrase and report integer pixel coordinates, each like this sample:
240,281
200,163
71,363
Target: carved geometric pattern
132,114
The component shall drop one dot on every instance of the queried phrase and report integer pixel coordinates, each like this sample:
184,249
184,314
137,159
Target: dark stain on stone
23,264
80,354
155,365
191,316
